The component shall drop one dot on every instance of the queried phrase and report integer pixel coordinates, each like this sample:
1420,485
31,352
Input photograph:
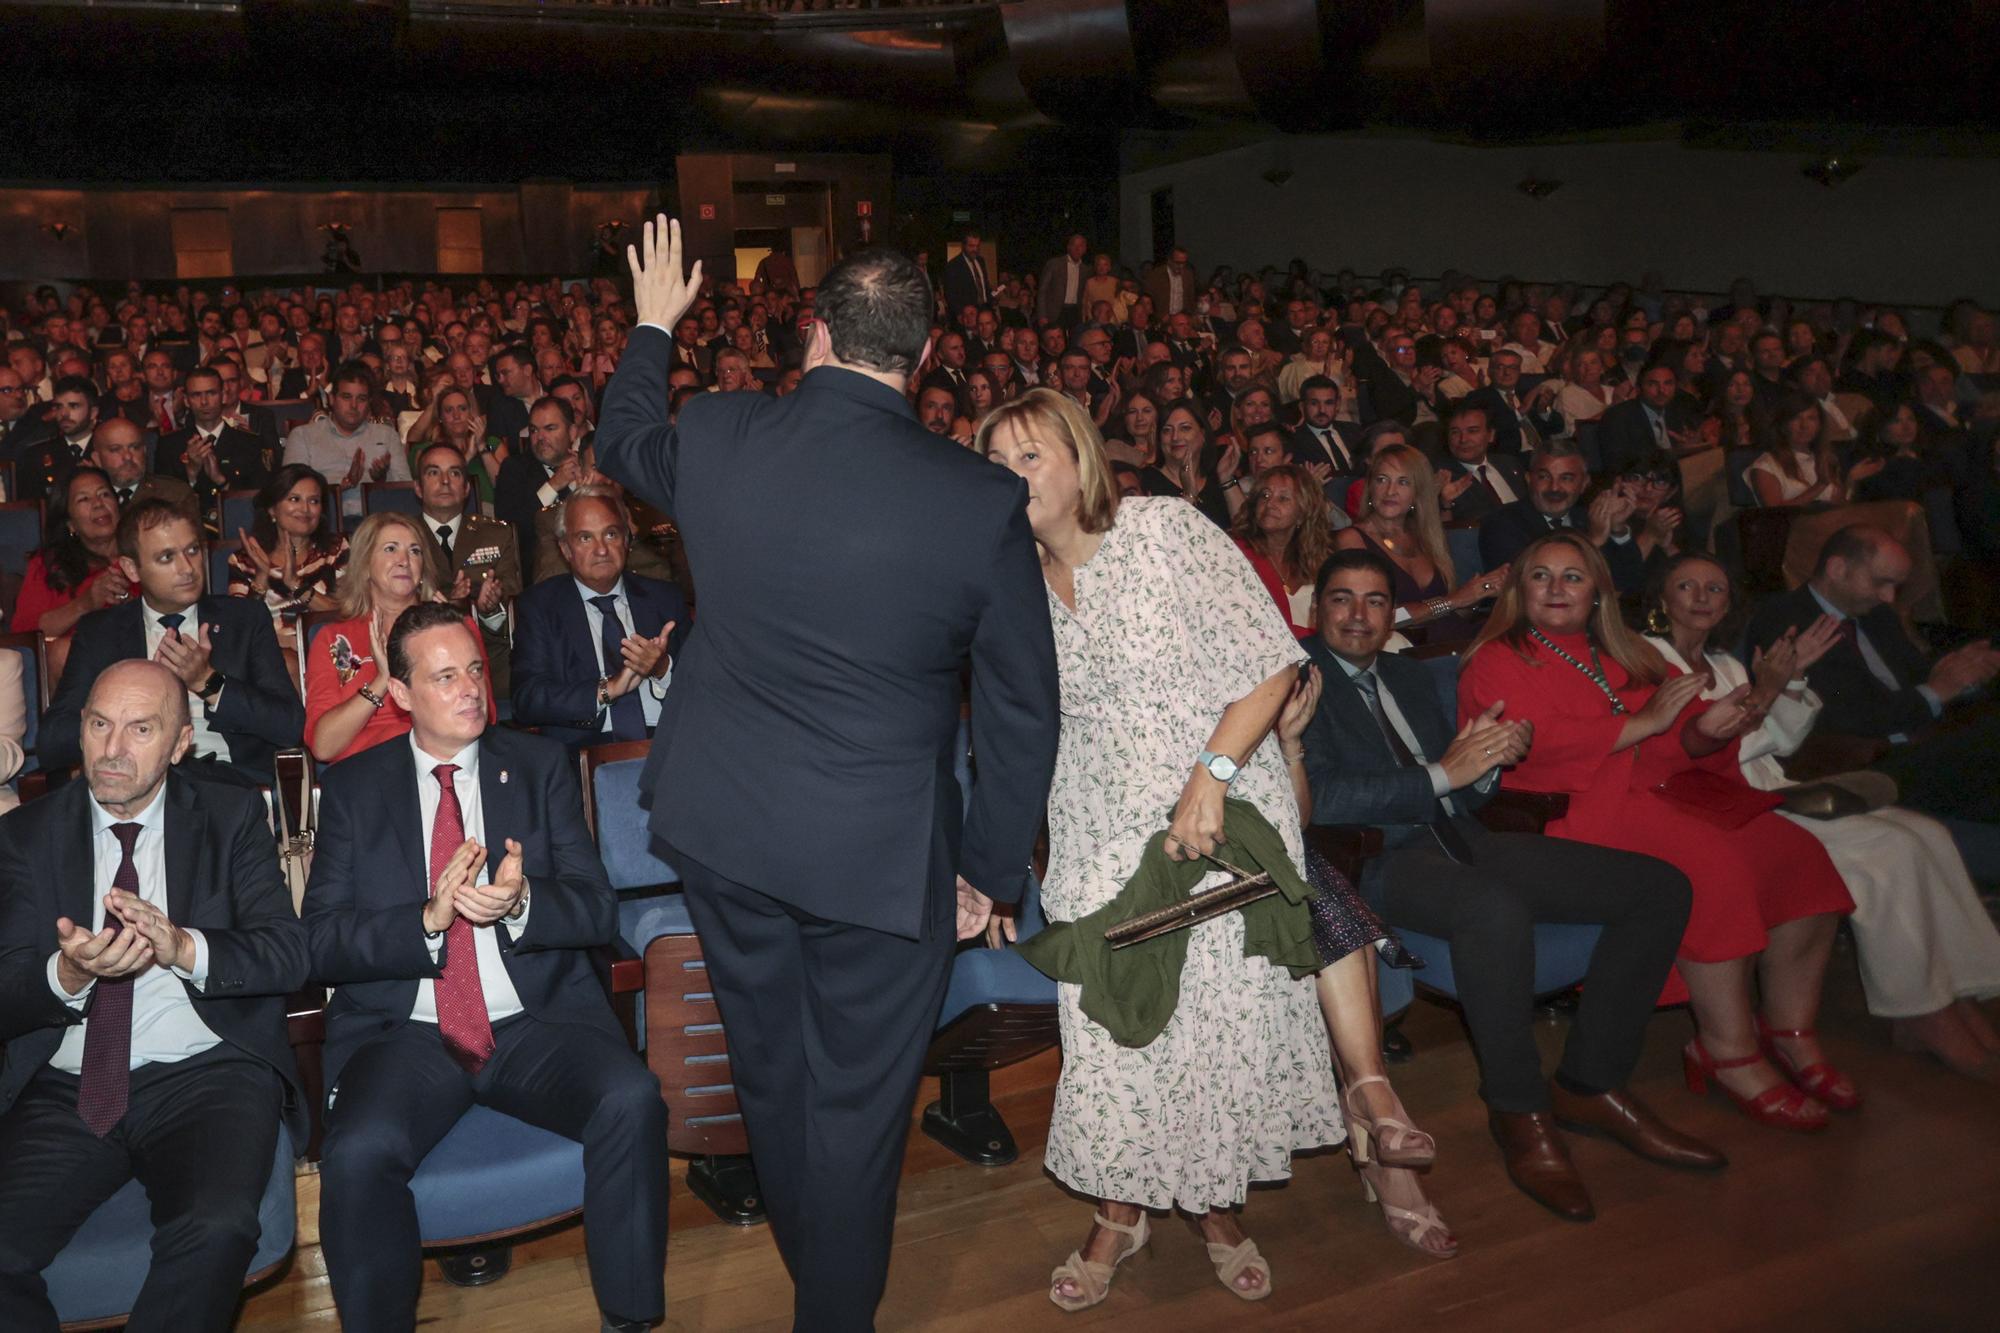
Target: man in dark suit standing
146,947
1875,682
1654,428
243,704
1380,751
463,977
594,651
1484,481
802,773
965,282
209,454
1557,476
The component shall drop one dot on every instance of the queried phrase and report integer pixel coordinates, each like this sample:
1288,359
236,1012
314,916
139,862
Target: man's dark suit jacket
848,566
222,879
240,453
1354,776
1506,425
44,467
1856,702
516,498
1625,436
961,288
1506,532
1306,448
292,386
555,658
1476,502
260,712
371,878
508,421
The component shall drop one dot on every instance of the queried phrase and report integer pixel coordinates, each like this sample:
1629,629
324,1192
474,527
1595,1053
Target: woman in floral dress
1169,649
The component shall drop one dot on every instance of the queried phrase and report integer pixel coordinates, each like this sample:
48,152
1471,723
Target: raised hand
483,904
1299,707
491,594
357,469
460,871
172,946
646,656
1730,716
380,467
660,293
1814,642
189,658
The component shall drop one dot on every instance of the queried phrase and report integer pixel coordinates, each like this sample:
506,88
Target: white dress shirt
165,1026
207,741
1492,476
1072,281
654,689
502,1000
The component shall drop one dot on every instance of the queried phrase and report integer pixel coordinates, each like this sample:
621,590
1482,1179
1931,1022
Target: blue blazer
849,568
371,878
1354,776
260,713
555,652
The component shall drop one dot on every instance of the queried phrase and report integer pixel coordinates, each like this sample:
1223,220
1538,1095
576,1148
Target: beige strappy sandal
1232,1261
1386,1139
1091,1278
1413,1227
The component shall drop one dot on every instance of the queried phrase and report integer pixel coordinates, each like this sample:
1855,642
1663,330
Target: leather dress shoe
1538,1163
1624,1119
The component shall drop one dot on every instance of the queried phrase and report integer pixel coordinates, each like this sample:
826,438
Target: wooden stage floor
1891,1220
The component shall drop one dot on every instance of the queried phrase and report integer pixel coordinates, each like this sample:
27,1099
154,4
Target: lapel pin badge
503,777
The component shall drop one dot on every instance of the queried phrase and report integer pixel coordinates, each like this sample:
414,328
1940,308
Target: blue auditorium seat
239,513
20,534
98,1275
1463,544
218,565
384,497
462,1197
27,645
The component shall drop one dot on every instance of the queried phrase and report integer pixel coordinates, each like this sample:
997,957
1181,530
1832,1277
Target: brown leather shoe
1538,1163
1623,1118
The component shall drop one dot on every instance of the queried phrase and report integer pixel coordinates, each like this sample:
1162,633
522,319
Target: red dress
339,664
1274,583
1746,880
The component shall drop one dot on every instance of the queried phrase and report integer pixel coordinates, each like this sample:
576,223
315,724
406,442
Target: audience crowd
1703,559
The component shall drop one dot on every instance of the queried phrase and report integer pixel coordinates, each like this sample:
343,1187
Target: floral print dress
1171,626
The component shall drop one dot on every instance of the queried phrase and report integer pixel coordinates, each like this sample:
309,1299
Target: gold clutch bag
1840,795
1241,891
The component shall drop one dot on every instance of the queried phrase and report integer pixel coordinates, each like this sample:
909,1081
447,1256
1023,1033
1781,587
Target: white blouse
1783,730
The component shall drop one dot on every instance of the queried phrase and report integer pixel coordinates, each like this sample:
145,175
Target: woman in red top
1283,529
1649,767
77,571
392,567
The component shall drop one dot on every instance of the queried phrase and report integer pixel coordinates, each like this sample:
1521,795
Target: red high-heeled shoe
1780,1106
1820,1081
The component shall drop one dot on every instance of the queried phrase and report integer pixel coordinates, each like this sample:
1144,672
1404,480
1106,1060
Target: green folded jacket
1132,992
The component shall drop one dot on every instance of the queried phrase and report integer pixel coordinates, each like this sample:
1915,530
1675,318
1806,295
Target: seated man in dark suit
1657,424
207,453
1557,477
1380,751
463,977
1876,682
1522,416
593,652
1321,439
545,471
1485,481
244,704
146,947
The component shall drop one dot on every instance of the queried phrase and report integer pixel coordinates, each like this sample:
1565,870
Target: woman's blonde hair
1509,621
355,597
1312,540
1044,414
1423,521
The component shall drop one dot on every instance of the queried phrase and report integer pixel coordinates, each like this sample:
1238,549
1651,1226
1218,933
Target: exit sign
863,208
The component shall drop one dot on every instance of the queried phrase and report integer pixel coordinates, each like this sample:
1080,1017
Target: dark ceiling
387,90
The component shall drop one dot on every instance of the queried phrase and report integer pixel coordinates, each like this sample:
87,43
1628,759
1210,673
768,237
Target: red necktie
461,1003
106,1083
165,407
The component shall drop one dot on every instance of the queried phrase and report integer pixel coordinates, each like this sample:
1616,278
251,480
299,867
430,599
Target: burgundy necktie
461,1002
106,1083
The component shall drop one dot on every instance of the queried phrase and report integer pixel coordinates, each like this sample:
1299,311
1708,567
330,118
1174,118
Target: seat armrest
1827,752
1346,846
1513,811
622,973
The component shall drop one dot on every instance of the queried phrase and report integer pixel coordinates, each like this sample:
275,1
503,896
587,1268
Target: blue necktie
628,715
172,622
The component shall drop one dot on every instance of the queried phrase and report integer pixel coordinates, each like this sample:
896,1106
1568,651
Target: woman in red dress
1283,529
1649,767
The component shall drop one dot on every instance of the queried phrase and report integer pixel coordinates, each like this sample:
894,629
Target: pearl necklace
1595,671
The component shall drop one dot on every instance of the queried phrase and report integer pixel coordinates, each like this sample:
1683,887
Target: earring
1656,620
